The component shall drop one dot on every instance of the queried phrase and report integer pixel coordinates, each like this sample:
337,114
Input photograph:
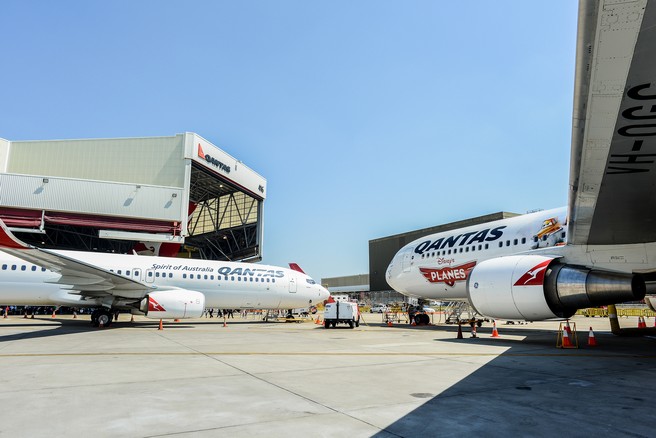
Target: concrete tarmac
61,377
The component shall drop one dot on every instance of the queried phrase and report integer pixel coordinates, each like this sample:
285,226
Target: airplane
157,287
601,248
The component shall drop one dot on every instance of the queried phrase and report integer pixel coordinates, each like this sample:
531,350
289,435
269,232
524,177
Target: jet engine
533,288
173,304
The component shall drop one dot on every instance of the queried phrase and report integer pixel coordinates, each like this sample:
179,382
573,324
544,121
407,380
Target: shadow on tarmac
536,389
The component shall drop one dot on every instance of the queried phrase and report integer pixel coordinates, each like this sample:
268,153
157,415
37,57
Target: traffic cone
459,332
176,320
225,323
53,313
568,328
413,322
641,322
473,331
389,324
592,342
495,333
161,326
131,318
566,342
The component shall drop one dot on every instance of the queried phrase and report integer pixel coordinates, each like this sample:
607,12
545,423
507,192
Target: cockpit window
311,281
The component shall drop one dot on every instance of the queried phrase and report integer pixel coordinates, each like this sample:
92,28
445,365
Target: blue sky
368,118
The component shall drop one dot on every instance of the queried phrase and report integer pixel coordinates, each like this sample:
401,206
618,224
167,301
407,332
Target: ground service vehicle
341,312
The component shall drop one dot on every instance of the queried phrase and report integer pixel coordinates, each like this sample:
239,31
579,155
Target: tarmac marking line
409,353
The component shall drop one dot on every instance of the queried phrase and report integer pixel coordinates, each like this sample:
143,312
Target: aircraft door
407,261
292,285
150,275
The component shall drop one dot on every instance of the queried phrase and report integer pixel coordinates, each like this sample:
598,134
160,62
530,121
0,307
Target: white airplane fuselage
437,266
224,284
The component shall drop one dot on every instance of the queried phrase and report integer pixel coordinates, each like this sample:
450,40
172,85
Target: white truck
341,312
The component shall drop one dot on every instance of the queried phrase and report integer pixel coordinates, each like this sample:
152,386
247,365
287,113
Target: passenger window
4,267
487,246
480,247
507,242
23,267
150,274
251,279
515,242
43,269
170,275
127,273
467,249
156,274
523,240
232,278
211,277
13,267
205,276
449,252
460,249
184,275
500,244
535,239
33,268
562,234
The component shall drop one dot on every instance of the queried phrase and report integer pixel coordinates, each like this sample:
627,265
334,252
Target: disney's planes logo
534,276
154,306
449,275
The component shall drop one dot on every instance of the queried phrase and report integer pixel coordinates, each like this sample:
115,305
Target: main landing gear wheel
101,316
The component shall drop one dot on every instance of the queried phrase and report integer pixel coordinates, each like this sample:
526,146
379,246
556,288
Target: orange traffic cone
566,342
641,322
53,313
459,332
495,333
592,342
176,320
225,323
389,324
161,326
568,329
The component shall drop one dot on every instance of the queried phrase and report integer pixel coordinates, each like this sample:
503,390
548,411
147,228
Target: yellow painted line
374,354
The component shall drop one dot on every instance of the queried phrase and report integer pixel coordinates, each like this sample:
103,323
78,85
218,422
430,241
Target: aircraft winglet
8,240
296,268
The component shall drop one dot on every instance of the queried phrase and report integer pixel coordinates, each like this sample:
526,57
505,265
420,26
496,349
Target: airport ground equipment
341,312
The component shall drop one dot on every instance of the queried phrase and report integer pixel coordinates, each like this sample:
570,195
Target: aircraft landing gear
101,316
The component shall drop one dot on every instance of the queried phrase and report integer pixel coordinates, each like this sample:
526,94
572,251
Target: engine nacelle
173,304
534,288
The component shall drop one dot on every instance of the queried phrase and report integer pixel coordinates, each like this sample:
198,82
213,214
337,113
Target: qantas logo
535,276
449,275
487,235
154,306
211,160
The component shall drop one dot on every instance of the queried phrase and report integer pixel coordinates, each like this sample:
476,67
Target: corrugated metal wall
92,197
157,161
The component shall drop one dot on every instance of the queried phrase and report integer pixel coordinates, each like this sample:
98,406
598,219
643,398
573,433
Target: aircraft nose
323,294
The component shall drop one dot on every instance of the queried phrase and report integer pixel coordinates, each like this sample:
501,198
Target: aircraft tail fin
295,267
8,240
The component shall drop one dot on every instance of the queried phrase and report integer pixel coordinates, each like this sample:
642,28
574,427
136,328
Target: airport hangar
373,288
152,195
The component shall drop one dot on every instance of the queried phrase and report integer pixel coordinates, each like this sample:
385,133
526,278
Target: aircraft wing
84,278
612,197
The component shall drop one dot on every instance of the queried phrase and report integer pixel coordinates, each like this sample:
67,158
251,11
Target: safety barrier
621,311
